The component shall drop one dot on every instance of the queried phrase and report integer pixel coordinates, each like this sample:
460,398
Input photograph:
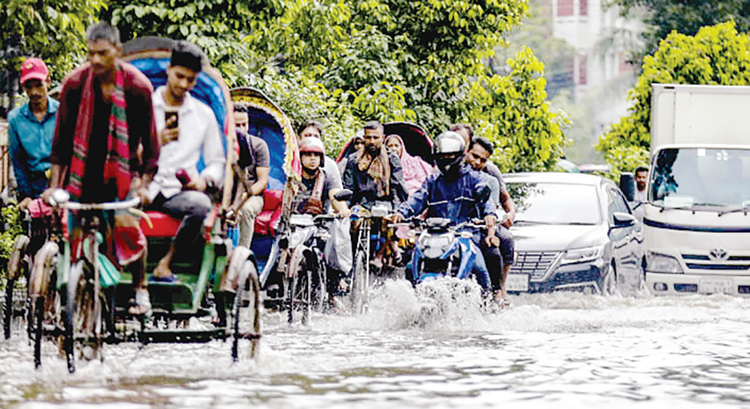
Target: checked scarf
117,165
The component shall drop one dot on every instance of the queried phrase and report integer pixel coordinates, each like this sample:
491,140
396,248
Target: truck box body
696,220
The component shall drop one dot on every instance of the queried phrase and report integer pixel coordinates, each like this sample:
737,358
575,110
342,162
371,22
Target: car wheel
608,283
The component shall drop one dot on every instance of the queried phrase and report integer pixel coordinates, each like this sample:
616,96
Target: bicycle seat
163,225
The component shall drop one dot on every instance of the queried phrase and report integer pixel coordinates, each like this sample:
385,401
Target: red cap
34,69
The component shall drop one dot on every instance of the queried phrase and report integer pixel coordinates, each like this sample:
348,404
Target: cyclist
372,174
31,128
458,193
105,145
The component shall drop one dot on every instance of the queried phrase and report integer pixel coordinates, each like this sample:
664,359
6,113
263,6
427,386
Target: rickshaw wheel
43,299
360,284
246,311
80,318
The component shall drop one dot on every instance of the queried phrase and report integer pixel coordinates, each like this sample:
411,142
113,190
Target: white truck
696,219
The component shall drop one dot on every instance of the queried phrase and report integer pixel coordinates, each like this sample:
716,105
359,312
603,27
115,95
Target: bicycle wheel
319,292
44,301
246,310
18,264
81,319
360,283
298,288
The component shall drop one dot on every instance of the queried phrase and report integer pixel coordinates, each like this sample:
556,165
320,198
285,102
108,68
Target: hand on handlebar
24,203
490,221
394,218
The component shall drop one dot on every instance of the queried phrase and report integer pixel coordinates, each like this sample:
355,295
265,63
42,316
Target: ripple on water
437,348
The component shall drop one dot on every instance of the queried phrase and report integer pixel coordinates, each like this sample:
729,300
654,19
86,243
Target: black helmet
449,150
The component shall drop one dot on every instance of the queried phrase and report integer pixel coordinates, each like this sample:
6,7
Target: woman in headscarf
415,170
357,142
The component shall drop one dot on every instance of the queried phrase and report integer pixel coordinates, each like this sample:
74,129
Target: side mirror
624,220
343,195
627,186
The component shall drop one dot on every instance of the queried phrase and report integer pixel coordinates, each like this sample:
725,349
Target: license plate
517,282
716,286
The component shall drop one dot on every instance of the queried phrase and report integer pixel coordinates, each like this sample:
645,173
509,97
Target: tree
716,55
685,17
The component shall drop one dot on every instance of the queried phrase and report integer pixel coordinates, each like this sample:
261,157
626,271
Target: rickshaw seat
163,225
265,222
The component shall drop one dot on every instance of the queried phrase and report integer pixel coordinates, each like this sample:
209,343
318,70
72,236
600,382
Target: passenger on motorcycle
456,192
316,192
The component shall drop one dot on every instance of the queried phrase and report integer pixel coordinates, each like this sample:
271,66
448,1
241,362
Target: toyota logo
718,255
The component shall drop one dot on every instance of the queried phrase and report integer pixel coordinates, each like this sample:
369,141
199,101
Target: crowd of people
111,136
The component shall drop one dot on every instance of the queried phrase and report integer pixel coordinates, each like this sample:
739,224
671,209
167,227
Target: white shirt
198,134
641,197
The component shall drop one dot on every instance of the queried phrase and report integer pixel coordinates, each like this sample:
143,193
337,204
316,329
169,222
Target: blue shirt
460,200
30,144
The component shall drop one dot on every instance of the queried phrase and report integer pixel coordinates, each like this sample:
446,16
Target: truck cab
696,222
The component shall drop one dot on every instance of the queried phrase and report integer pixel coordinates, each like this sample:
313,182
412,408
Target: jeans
189,205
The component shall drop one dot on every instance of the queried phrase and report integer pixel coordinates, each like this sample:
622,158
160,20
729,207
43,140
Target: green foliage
214,25
663,17
513,112
717,55
13,228
346,61
53,30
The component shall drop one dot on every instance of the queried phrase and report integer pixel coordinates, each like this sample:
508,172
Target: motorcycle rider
316,192
456,192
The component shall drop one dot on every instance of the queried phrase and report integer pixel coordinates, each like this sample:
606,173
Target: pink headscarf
414,169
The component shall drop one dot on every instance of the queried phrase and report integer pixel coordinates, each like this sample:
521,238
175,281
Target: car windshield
701,177
555,203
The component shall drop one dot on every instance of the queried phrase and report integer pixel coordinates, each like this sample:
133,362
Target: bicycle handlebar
134,202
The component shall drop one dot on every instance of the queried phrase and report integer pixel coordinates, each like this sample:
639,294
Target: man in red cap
31,128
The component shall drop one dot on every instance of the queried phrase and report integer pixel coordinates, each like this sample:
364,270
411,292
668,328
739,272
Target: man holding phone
188,132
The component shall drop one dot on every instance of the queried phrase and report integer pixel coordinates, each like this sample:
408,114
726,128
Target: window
565,8
583,8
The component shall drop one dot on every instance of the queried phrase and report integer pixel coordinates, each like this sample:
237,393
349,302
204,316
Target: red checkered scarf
117,165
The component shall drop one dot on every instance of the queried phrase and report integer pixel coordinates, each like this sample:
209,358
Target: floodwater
545,351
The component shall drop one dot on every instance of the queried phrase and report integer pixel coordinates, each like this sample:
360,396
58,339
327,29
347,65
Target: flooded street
544,351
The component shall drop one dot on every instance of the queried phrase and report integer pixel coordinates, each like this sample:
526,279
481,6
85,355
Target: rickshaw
371,236
85,302
293,280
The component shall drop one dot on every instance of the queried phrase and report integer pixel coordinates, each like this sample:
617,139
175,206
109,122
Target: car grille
701,262
533,263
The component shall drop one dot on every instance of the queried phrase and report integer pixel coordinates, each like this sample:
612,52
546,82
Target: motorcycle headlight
662,263
582,255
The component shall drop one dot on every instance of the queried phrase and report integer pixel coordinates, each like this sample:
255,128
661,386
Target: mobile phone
168,115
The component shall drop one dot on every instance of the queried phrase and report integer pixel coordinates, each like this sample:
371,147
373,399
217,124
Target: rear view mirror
343,195
624,220
627,185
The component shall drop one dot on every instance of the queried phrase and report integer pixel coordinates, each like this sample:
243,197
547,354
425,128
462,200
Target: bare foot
162,269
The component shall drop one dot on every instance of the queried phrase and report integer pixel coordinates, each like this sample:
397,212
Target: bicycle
363,260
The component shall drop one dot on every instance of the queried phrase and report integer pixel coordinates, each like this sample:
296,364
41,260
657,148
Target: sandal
141,304
168,279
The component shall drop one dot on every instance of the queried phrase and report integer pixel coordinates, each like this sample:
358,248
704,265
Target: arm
260,185
509,205
348,179
341,208
418,201
18,158
397,181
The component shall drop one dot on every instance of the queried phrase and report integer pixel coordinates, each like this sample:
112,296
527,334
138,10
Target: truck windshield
701,177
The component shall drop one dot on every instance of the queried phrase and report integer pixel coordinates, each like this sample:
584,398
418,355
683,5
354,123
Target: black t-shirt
94,189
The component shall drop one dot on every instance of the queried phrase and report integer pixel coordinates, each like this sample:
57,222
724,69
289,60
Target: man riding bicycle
372,174
456,192
105,146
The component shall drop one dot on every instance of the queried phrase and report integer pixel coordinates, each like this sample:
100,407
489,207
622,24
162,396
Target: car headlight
662,263
582,255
